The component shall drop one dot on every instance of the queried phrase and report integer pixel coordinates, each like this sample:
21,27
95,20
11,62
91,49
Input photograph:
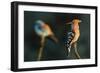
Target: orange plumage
75,29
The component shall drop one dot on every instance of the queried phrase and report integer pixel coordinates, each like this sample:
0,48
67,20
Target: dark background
56,21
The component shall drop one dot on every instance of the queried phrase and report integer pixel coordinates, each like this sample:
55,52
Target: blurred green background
56,21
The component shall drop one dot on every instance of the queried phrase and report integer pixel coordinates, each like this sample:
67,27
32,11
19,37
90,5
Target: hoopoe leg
76,52
69,49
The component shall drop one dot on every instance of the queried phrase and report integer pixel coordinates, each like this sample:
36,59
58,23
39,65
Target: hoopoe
73,36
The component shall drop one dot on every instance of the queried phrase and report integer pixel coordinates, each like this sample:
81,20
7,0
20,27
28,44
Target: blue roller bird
43,30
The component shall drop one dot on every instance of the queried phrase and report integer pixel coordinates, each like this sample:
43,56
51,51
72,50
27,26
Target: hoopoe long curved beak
69,23
79,21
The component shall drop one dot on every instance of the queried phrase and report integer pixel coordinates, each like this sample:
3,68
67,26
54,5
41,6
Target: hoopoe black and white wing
69,37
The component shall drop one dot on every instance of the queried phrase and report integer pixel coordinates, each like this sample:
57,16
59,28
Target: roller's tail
53,38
